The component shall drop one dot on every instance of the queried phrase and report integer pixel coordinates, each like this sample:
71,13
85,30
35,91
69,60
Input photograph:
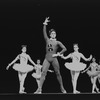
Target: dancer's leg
22,77
38,82
57,70
75,82
94,85
46,65
72,75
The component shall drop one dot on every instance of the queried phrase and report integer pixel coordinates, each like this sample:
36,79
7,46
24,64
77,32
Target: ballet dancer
23,68
93,73
98,74
75,66
37,74
51,48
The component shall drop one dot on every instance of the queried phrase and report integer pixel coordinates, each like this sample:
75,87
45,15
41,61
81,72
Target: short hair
51,30
38,59
24,46
75,44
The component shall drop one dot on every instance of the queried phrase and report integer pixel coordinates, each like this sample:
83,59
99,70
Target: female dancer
23,68
76,66
37,74
93,73
51,48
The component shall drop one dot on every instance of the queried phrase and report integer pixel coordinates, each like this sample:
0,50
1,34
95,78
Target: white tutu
75,66
23,68
35,75
93,73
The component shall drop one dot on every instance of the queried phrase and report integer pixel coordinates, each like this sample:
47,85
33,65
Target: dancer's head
38,61
52,33
24,48
75,46
93,59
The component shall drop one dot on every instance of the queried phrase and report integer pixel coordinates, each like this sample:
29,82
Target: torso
23,58
38,69
75,57
94,66
51,48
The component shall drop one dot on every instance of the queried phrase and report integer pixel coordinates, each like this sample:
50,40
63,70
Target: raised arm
44,28
63,47
86,59
29,58
13,62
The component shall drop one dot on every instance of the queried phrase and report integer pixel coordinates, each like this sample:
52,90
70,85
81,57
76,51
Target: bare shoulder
80,53
58,42
27,55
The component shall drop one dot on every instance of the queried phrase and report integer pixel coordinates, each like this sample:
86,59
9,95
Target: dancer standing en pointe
76,66
37,74
23,68
93,74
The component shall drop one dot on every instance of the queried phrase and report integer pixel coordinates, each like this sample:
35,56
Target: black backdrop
21,21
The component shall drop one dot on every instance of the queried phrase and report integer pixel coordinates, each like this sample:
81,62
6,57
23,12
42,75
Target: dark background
21,22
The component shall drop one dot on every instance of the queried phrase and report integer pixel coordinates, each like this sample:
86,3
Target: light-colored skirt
93,73
35,75
75,66
23,68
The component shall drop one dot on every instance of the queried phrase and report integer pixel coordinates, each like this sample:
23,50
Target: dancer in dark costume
51,49
23,68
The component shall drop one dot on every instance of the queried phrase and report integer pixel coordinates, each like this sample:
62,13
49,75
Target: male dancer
51,49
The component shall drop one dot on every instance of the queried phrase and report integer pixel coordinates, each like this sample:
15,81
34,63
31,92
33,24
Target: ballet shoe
63,90
97,90
93,92
76,92
38,91
22,92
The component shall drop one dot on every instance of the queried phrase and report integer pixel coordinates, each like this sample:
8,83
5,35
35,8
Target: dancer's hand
51,71
62,56
55,55
35,64
46,21
90,57
8,67
83,72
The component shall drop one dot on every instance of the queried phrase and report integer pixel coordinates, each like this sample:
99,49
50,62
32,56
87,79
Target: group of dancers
76,67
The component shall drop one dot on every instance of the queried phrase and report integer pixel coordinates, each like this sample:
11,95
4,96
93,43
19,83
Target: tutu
93,73
36,75
23,68
75,66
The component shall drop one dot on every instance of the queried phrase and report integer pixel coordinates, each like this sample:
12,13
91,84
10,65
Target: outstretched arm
29,58
63,47
50,71
13,62
86,59
69,56
44,28
86,69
